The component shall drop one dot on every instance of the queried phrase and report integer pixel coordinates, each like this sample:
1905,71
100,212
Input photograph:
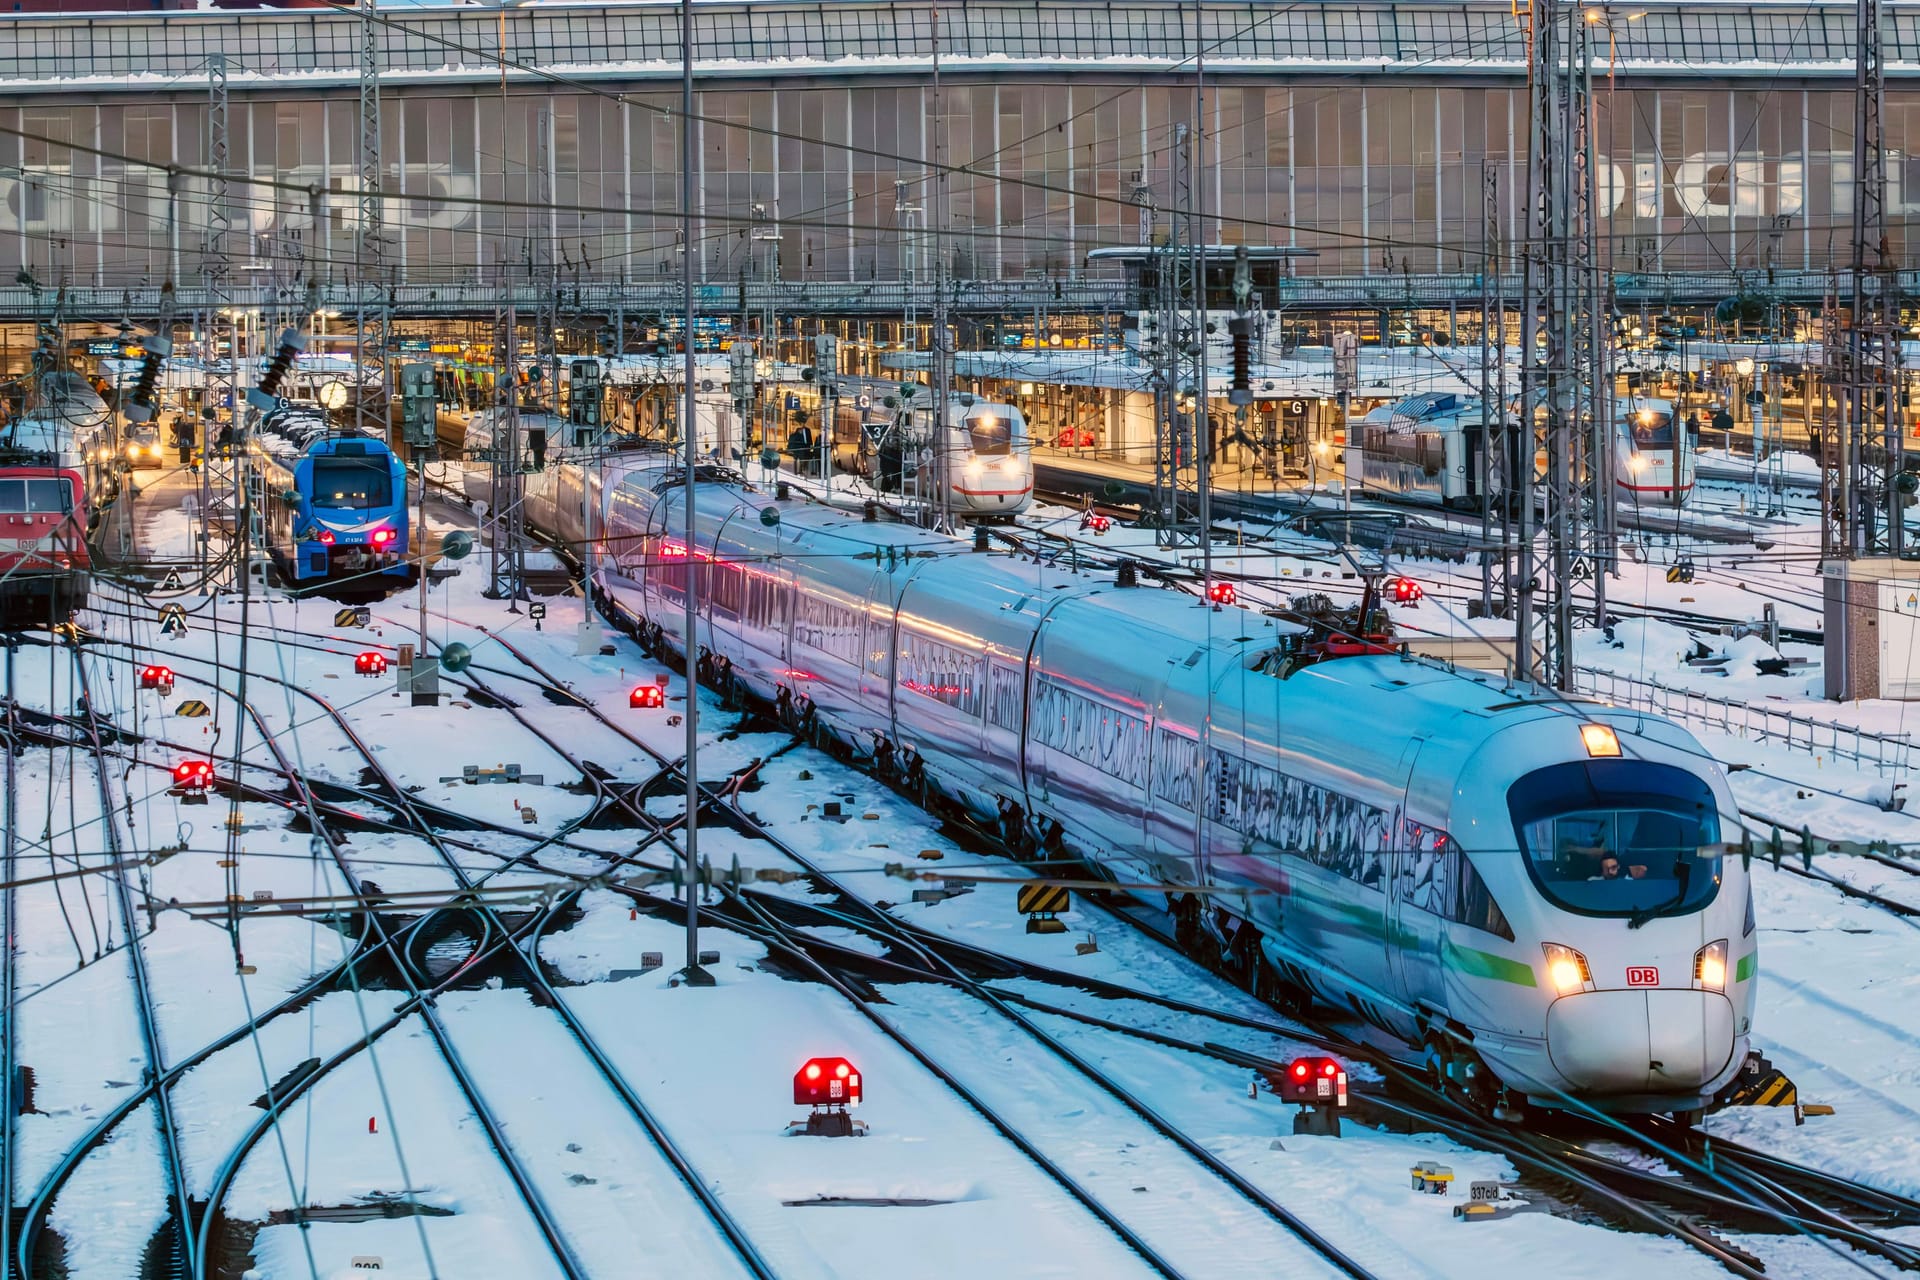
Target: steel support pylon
1566,385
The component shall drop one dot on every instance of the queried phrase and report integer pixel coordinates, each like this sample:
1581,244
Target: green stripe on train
1745,969
1484,964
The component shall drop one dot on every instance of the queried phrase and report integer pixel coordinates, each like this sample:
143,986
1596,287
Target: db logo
1643,976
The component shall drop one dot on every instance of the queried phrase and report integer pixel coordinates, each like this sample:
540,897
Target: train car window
1337,832
1006,691
49,496
1618,837
1099,736
1176,767
341,483
939,671
829,627
1474,905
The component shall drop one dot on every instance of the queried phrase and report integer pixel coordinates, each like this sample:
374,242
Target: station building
1359,133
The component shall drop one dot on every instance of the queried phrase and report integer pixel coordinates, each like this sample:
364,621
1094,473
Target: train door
1420,892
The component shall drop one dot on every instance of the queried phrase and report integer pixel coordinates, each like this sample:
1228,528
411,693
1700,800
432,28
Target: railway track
173,1253
759,922
407,949
1557,1164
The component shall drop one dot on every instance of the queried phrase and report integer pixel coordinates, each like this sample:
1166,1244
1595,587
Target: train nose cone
1655,1041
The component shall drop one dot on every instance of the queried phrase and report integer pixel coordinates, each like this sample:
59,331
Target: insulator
141,407
292,343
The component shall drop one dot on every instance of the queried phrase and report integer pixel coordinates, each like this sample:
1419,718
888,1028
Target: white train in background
1530,894
1428,448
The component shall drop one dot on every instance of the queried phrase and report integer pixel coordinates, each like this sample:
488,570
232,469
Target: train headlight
1567,969
1637,464
1600,740
1710,966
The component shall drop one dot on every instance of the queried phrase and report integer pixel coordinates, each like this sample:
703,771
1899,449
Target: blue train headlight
1567,969
1710,966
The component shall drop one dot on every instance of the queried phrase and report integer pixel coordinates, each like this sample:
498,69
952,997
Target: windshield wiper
1682,873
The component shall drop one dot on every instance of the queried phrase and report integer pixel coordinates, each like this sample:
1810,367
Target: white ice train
1653,456
1529,892
1428,447
991,469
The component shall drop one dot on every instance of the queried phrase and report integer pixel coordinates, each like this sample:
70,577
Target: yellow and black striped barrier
192,707
1042,904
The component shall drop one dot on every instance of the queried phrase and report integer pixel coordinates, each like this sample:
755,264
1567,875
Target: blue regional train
336,514
1532,894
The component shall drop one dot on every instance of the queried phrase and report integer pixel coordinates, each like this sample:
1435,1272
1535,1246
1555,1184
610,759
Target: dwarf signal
647,695
829,1086
157,677
1408,592
1319,1085
191,778
1222,593
371,663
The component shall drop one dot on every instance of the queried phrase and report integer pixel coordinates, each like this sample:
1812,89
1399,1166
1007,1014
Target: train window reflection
36,496
1651,429
1619,837
992,435
351,482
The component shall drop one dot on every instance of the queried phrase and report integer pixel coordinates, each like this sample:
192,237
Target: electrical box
584,400
418,404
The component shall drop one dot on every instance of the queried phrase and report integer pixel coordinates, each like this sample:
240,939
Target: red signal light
1320,1081
1408,592
193,774
647,695
156,677
827,1082
371,663
1222,592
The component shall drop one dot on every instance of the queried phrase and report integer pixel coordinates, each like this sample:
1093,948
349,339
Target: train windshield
992,433
50,496
1618,837
1651,428
340,483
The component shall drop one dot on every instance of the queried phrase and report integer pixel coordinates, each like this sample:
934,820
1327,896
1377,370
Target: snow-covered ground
934,1189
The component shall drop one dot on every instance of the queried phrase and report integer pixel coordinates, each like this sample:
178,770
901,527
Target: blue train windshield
1618,837
340,483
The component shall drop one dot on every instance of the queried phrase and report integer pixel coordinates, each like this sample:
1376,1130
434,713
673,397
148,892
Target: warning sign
192,708
173,620
173,580
1043,899
352,618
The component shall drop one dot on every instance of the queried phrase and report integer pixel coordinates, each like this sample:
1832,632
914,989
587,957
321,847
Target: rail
1886,753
